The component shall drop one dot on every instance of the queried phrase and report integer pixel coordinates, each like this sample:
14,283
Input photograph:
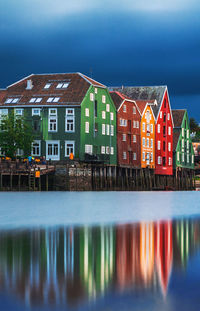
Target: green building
69,113
183,151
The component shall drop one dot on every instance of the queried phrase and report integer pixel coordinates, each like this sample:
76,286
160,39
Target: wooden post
1,181
19,181
11,180
47,182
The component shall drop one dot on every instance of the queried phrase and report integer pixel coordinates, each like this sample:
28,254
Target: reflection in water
72,265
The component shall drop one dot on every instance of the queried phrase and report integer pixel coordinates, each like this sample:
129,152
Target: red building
163,120
128,130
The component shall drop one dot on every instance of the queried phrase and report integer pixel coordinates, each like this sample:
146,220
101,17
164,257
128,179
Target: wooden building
183,150
128,130
69,113
163,120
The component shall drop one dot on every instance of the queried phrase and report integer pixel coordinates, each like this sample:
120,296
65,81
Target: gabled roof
117,98
178,115
144,93
142,104
2,94
72,95
176,135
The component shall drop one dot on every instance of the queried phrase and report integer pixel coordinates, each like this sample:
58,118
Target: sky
129,42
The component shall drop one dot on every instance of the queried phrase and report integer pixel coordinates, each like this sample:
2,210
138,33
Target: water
100,251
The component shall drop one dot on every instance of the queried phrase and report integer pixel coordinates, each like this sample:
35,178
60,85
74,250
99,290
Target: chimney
29,85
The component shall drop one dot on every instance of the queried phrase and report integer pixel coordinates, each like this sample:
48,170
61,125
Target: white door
53,150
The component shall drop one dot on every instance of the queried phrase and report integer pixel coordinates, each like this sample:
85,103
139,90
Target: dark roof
144,93
142,104
118,98
72,95
176,135
178,116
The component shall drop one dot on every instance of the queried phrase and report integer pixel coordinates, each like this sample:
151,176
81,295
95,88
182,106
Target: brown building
128,130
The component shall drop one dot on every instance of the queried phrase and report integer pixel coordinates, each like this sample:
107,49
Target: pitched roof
2,94
142,104
178,116
176,135
144,93
72,95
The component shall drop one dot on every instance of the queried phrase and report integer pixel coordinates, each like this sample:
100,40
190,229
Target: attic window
62,85
53,99
11,100
35,100
47,85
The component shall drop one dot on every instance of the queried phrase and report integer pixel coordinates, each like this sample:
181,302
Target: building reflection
71,265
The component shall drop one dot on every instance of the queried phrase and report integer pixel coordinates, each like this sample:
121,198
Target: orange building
147,133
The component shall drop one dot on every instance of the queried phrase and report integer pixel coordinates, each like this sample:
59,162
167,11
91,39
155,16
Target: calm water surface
100,251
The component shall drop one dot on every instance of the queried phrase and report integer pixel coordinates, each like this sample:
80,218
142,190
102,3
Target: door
53,150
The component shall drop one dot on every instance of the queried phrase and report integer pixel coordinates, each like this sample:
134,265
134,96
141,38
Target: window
103,129
151,128
183,132
187,133
92,97
178,156
69,147
187,144
192,159
87,127
159,160
107,107
53,150
188,160
70,120
143,127
134,138
137,124
95,90
134,110
103,115
19,112
161,114
124,137
134,156
158,128
124,155
107,150
151,156
62,85
170,161
53,99
47,85
35,100
151,142
19,152
87,112
143,141
107,129
112,130
124,108
36,147
147,142
158,145
148,129
169,130
3,112
183,158
169,146
143,156
134,124
168,116
52,126
111,150
103,99
35,112
88,149
102,149
111,116
12,100
182,143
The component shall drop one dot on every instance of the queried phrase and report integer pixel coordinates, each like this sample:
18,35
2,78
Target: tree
15,133
194,127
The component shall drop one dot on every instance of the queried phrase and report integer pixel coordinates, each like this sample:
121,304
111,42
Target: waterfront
99,251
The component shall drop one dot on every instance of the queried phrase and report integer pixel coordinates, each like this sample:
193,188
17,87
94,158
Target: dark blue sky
129,42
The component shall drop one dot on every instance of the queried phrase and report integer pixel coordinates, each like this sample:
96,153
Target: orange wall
148,121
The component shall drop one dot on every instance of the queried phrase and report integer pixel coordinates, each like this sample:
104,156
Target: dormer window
47,85
62,85
12,100
35,100
53,99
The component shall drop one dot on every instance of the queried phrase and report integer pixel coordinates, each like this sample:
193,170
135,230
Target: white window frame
161,115
103,149
169,146
103,99
54,157
103,115
143,156
183,157
107,150
151,142
170,161
169,130
107,129
168,116
112,150
111,116
107,107
147,142
19,111
92,97
52,117
124,108
38,154
87,127
143,127
187,133
34,113
124,155
87,112
134,110
70,120
103,129
178,156
143,141
89,149
158,145
112,130
158,130
123,137
134,156
134,139
183,132
47,85
67,144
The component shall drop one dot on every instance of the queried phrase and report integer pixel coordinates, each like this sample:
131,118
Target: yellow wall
148,120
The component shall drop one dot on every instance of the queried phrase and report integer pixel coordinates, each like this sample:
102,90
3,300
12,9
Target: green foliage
15,133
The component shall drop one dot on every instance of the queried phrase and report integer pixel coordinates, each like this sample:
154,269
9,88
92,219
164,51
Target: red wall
162,169
128,146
